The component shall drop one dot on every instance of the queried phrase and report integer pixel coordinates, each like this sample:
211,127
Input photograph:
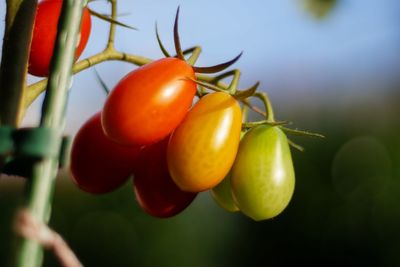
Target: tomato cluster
148,129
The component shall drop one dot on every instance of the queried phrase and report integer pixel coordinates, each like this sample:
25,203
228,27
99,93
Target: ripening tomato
263,175
203,147
99,165
45,33
222,194
149,102
155,191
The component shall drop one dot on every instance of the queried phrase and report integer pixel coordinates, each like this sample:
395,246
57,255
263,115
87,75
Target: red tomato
149,102
44,36
155,191
99,165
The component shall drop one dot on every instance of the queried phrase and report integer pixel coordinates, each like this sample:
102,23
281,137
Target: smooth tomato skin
45,33
222,194
202,149
149,102
263,176
97,164
155,190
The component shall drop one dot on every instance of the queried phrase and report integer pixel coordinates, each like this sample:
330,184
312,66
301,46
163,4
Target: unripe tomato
203,147
155,191
99,165
222,194
149,102
45,33
263,175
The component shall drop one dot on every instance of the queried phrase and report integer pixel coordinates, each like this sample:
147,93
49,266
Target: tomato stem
267,104
247,125
302,132
235,80
208,85
256,109
111,35
296,146
245,113
195,55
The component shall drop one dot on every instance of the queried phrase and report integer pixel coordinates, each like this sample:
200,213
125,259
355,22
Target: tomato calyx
195,51
270,120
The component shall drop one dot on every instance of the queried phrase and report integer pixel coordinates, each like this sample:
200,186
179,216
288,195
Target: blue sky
354,50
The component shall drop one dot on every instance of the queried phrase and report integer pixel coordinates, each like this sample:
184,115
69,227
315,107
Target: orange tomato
149,103
202,149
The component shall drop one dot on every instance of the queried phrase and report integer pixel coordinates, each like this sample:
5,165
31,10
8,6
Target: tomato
149,102
155,191
99,165
222,194
203,147
45,33
263,175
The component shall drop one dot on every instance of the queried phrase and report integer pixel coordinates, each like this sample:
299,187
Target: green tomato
222,194
263,175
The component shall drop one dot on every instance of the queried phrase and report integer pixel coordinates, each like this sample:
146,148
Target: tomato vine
149,127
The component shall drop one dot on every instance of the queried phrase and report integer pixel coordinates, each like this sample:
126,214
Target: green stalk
41,186
267,104
17,38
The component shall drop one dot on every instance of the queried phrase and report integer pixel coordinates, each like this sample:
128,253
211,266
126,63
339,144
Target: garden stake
41,184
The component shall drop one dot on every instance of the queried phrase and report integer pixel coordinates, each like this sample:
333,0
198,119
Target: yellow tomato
202,149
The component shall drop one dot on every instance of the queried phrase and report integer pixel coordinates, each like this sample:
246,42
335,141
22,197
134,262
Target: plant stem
195,55
34,90
41,184
267,104
246,125
254,108
17,38
235,80
111,35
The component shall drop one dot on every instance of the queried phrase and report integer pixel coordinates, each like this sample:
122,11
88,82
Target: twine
29,227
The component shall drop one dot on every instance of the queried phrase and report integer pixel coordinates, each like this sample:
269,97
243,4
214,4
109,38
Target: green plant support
41,184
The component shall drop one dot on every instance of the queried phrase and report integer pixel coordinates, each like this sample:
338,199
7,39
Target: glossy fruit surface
150,102
263,175
202,149
45,33
222,194
99,165
155,191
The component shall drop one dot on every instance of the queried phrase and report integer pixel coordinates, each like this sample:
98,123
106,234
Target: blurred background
332,67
